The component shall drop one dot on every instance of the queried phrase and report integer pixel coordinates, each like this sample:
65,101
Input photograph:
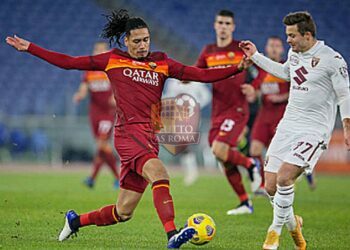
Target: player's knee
154,170
284,180
270,189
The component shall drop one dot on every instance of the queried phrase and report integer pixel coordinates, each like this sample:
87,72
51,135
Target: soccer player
230,110
274,97
137,77
319,82
101,114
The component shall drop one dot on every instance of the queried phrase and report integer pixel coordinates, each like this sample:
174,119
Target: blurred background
39,124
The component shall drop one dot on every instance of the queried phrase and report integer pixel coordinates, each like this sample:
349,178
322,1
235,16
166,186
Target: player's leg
105,216
98,157
225,153
155,173
108,156
260,138
256,150
270,185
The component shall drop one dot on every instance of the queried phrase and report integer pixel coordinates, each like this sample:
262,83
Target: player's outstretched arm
97,62
189,73
277,69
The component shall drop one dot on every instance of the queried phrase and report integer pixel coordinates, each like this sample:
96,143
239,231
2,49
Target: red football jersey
271,85
100,92
137,83
228,99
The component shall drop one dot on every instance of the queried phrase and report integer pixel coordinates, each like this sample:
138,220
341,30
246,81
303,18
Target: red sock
98,162
105,216
164,205
237,158
111,162
235,180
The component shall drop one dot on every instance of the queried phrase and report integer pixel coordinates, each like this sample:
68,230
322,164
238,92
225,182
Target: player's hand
245,63
77,98
248,48
249,92
274,98
18,43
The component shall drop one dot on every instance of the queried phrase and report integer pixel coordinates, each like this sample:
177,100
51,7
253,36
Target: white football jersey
317,78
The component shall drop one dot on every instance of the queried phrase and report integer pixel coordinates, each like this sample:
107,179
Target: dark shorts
264,129
135,144
102,125
229,130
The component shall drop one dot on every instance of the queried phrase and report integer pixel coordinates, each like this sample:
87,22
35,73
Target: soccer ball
187,103
204,226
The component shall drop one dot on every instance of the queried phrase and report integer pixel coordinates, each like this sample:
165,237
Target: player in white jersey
319,82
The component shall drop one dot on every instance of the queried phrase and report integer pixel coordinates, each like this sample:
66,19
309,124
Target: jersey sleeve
97,62
274,68
340,82
189,73
201,62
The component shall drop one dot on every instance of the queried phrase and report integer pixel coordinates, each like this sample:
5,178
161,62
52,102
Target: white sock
282,209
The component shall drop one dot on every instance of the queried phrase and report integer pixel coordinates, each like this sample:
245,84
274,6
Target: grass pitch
32,207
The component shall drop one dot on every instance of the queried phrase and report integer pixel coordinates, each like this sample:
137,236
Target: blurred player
319,82
230,110
102,114
202,95
137,77
274,96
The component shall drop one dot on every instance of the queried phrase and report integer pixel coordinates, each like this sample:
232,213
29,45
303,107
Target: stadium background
38,121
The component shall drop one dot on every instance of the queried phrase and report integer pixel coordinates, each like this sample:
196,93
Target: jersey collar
314,48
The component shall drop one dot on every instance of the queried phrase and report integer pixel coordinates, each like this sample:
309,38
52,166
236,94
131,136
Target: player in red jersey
101,113
274,97
230,110
137,77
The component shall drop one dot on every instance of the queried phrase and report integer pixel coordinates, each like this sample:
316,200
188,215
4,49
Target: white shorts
299,149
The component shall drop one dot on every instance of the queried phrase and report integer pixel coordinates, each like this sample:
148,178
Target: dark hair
227,13
276,38
303,20
120,24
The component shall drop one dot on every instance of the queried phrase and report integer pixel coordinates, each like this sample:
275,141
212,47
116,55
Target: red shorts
264,129
135,144
102,125
229,130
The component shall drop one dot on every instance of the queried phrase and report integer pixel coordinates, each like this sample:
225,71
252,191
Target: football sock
105,216
111,161
283,210
164,205
234,178
237,158
98,162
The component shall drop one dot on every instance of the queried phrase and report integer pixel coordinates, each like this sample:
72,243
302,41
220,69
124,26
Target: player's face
100,48
297,41
274,49
224,26
138,43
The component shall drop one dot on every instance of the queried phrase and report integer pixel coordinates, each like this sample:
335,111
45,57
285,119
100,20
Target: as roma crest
315,61
179,123
153,65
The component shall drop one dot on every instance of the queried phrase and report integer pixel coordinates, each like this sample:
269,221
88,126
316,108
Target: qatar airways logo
142,76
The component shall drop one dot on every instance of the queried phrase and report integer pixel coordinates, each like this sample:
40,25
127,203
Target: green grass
32,207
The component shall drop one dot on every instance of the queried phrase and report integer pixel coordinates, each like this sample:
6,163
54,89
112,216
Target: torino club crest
177,122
